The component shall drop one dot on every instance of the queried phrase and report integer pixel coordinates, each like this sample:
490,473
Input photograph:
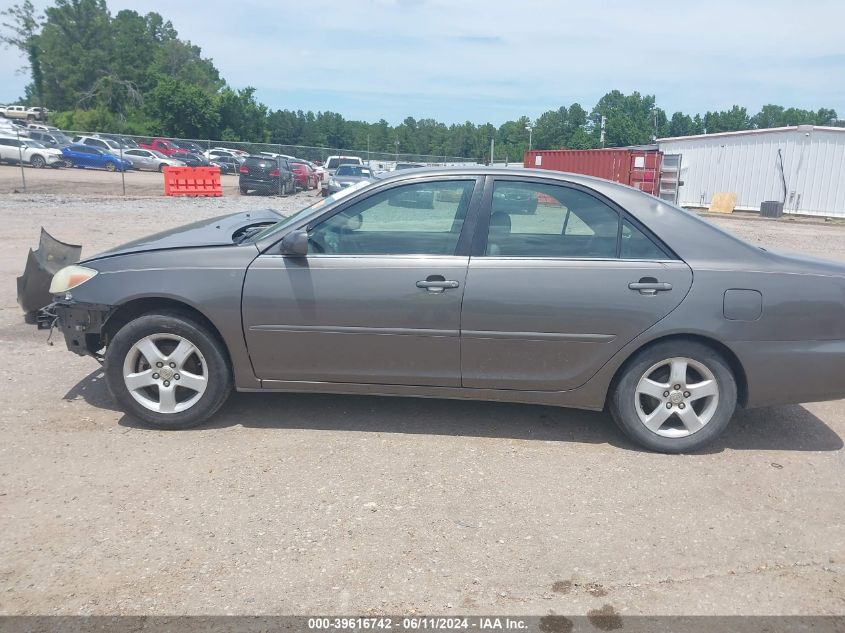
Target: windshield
34,143
157,153
321,203
59,137
334,163
354,170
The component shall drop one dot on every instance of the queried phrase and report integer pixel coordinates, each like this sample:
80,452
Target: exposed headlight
70,277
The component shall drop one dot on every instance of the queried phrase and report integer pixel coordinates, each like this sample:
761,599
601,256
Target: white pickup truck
22,112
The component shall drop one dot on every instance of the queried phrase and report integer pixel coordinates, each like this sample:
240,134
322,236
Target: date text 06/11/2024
420,623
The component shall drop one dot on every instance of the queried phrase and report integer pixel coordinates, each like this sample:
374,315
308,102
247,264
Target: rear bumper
789,372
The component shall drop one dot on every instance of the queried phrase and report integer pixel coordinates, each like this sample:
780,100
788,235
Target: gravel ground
310,503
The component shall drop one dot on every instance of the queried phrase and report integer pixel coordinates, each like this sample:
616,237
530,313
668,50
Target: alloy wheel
676,397
165,373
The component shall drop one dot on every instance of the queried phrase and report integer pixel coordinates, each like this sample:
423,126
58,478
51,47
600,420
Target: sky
496,60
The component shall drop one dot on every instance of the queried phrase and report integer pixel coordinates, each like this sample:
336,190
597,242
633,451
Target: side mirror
295,243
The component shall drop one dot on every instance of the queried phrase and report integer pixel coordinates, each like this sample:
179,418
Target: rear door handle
650,287
437,283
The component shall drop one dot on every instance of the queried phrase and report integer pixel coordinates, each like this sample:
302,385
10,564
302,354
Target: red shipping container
639,168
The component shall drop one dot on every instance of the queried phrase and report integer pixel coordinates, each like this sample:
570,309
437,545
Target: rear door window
530,219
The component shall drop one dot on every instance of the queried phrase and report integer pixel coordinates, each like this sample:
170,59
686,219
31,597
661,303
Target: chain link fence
32,161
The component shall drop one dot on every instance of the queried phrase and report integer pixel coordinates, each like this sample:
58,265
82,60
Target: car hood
219,231
351,178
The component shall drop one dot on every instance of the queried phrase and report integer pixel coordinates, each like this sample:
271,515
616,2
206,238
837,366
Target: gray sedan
602,298
150,159
347,175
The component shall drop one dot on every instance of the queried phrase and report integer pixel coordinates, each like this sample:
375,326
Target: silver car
603,298
150,159
346,175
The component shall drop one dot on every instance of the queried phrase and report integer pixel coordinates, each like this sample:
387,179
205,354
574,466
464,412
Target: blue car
87,156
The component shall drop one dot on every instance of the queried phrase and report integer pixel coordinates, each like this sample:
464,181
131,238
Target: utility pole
368,149
530,131
397,150
601,135
492,148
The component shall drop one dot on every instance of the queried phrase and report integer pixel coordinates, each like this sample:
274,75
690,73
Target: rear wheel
168,371
674,397
244,190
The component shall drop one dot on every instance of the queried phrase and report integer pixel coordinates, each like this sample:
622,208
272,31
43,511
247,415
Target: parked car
319,171
187,147
31,152
80,155
304,177
8,128
665,319
106,144
399,166
194,160
226,164
163,145
126,142
331,165
54,138
346,175
24,113
150,159
219,152
266,175
515,200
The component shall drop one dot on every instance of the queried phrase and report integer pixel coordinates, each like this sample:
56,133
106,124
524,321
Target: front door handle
650,287
437,283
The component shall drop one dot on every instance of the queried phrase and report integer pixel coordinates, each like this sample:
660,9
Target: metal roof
768,130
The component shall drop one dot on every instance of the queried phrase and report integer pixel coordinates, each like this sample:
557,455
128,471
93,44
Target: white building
803,166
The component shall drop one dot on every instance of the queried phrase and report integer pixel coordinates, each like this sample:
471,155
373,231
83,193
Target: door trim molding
342,329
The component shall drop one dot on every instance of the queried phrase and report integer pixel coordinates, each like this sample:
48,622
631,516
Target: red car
168,148
303,175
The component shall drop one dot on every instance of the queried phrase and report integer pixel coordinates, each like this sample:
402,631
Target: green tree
75,50
182,109
630,118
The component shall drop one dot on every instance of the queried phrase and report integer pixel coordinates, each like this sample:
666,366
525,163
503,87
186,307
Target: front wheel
38,162
168,371
111,166
674,397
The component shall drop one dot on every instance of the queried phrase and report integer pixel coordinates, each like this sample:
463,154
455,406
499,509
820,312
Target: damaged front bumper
80,323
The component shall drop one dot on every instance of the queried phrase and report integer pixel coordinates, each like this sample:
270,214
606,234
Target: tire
161,168
244,190
657,370
38,162
110,166
160,336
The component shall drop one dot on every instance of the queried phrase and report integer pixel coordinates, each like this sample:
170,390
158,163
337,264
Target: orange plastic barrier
192,181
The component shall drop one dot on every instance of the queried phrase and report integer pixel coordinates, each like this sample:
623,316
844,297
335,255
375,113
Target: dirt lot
92,182
307,503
